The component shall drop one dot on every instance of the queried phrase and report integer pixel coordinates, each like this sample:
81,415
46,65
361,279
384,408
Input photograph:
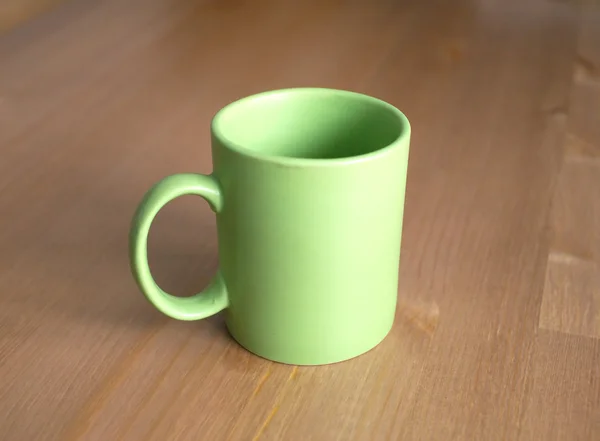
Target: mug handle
213,298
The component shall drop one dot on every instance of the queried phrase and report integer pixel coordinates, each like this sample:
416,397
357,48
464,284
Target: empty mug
308,190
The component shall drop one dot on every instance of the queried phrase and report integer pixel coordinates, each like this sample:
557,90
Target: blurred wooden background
17,12
498,326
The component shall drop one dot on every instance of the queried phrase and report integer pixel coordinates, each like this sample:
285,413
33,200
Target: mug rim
218,132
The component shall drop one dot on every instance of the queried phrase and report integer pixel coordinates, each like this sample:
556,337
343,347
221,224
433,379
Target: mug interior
310,124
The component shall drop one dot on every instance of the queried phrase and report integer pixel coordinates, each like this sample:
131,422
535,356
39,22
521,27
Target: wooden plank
564,402
479,192
571,299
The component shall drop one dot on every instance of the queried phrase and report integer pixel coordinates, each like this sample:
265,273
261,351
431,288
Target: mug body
313,183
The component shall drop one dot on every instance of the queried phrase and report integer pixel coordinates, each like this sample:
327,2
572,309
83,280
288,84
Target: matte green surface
308,188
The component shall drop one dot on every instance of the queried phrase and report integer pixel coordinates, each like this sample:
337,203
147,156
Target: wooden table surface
497,334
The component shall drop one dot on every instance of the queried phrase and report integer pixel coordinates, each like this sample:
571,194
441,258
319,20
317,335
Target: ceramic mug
308,189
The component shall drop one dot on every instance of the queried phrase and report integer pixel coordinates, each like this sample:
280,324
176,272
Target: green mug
308,189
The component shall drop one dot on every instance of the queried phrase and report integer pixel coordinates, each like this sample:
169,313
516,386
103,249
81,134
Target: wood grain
564,395
496,335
